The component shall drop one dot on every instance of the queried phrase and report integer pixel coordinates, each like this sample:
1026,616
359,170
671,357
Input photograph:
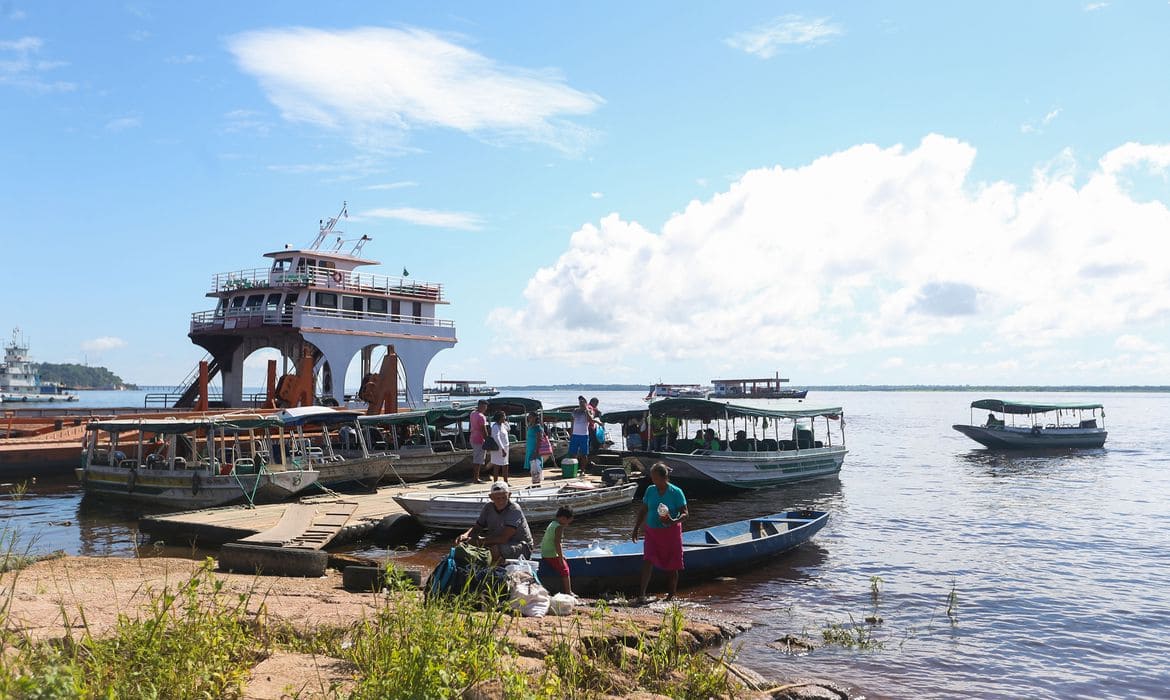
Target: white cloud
184,59
21,66
393,185
597,195
123,123
1038,126
790,30
462,221
102,344
376,84
1091,6
866,250
1136,343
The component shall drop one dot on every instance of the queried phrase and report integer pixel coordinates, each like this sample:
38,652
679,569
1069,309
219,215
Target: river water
1001,575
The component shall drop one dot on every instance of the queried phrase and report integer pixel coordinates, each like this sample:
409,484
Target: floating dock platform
369,515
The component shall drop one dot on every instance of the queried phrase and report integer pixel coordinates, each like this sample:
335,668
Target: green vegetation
198,641
81,376
852,635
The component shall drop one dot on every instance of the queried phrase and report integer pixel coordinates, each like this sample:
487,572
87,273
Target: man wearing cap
504,527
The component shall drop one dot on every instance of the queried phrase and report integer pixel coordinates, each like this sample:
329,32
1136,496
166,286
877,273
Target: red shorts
663,547
558,565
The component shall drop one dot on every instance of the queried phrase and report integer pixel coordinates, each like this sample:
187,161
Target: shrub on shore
195,640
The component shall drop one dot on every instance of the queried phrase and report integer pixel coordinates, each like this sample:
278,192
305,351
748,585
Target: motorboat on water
708,552
459,511
188,463
462,388
1025,425
735,446
19,381
676,391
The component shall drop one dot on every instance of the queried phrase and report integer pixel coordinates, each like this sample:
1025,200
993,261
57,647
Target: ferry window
327,300
416,310
255,301
301,264
395,307
290,300
351,303
220,307
281,265
237,302
376,306
273,302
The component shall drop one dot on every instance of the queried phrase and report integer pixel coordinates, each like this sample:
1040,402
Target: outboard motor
613,476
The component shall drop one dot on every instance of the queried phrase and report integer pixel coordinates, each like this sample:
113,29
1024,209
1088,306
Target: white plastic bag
536,466
596,550
529,598
524,566
562,604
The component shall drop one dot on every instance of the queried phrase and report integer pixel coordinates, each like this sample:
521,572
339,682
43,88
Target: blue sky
614,192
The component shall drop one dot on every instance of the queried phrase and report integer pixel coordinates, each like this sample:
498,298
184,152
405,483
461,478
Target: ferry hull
1009,438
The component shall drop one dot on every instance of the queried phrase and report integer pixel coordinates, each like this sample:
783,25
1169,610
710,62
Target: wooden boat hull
1011,438
364,472
422,463
744,470
539,503
191,488
707,553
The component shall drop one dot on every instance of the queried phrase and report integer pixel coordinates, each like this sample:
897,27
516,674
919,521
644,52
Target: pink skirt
663,547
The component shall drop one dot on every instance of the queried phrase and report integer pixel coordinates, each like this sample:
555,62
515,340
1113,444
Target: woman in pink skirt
663,508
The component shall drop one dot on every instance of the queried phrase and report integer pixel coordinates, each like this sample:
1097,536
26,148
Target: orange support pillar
270,397
201,404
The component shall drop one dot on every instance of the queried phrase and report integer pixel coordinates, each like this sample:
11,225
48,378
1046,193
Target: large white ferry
19,382
318,304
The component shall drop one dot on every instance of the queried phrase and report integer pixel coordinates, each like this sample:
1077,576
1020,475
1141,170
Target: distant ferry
762,388
19,382
461,388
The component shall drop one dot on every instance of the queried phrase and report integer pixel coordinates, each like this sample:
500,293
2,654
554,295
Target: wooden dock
368,514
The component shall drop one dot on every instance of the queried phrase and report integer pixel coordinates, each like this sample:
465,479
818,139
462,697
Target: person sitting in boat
712,441
740,443
348,437
633,434
993,422
501,527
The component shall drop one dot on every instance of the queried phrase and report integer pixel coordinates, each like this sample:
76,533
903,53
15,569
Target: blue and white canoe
707,553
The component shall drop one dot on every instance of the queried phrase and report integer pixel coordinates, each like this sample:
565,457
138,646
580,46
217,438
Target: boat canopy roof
1022,408
228,423
447,415
304,415
703,409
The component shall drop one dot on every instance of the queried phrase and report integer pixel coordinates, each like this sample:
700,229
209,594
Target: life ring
132,480
1035,430
337,277
196,483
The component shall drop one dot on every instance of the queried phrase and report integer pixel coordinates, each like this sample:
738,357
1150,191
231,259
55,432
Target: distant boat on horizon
19,382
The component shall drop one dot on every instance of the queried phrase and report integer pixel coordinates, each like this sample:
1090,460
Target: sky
845,193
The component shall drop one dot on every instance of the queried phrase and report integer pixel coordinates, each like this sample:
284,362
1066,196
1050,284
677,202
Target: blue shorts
579,445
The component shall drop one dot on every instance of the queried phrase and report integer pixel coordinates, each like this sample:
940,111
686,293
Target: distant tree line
80,376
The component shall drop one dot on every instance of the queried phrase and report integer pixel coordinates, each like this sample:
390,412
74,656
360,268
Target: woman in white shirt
499,456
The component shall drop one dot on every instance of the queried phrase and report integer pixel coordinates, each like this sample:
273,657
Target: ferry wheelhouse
320,303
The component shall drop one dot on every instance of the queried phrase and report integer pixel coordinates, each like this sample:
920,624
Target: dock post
201,404
270,396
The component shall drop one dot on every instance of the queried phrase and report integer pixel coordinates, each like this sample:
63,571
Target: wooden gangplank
306,525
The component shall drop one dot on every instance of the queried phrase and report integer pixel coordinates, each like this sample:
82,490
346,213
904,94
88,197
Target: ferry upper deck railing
316,276
247,318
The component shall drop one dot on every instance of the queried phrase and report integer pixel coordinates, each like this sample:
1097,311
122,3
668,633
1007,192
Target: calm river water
1053,566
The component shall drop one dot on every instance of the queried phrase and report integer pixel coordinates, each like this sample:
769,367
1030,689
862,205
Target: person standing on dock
499,456
582,428
478,433
664,506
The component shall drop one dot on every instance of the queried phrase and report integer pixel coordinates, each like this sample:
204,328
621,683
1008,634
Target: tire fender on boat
132,480
196,483
337,277
1035,430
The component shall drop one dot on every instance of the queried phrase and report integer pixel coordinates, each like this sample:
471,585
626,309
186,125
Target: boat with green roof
1019,425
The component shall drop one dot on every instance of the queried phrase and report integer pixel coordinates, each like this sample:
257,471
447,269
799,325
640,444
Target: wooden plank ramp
306,525
368,511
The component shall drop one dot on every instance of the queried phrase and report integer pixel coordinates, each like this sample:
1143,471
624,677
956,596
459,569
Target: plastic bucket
568,467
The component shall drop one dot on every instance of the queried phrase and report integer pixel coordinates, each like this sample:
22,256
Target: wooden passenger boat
709,552
459,511
1029,426
188,463
784,445
345,463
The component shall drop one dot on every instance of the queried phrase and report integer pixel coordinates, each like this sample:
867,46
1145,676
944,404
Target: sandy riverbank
65,597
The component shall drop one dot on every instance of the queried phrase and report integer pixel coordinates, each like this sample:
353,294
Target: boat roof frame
706,409
1023,408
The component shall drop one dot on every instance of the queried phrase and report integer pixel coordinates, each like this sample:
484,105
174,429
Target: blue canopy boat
710,552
